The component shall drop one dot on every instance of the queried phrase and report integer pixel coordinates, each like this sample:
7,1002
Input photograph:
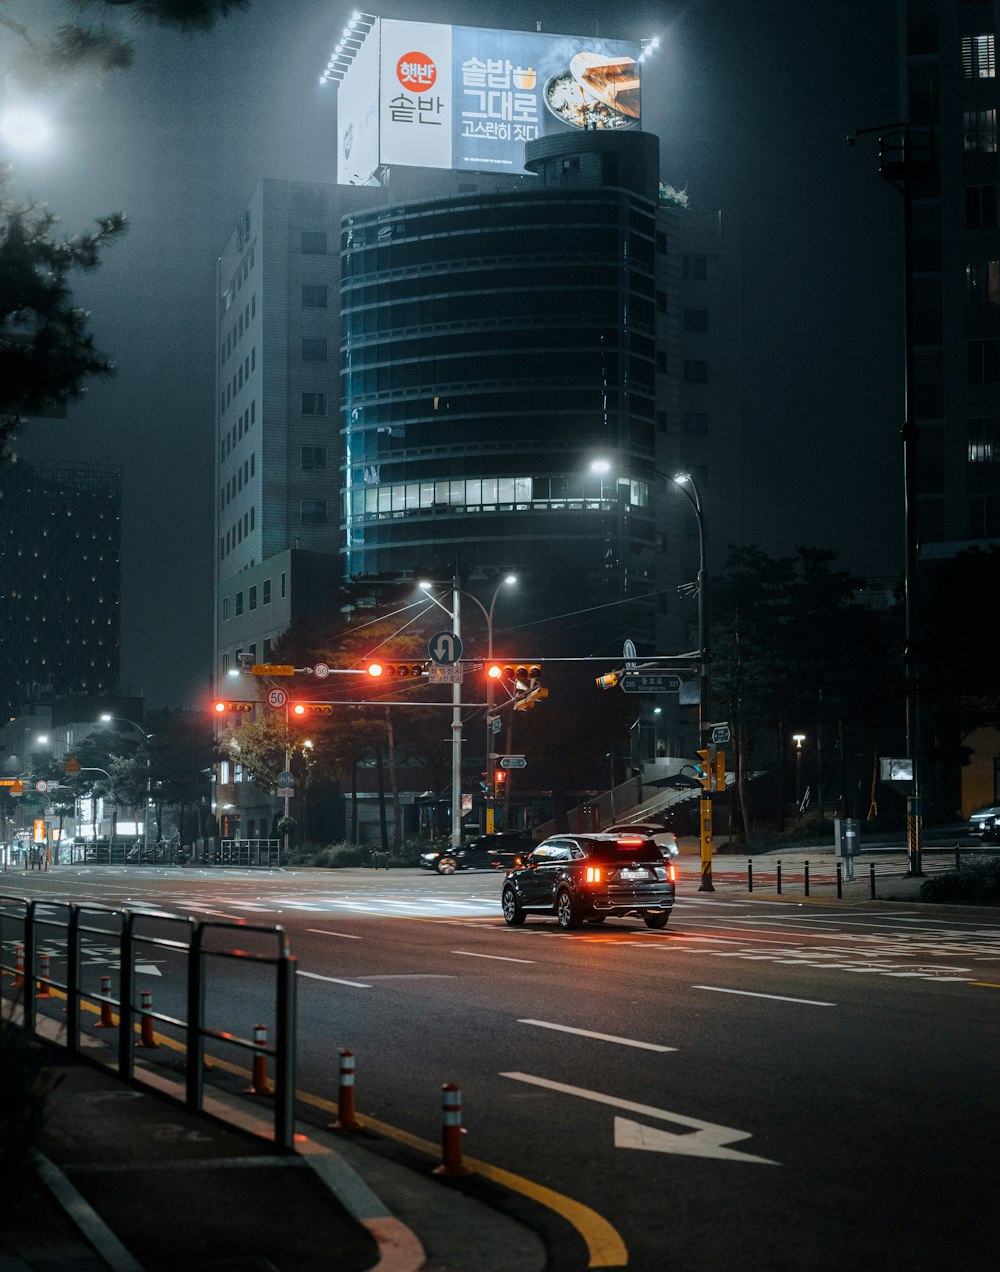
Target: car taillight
671,872
593,874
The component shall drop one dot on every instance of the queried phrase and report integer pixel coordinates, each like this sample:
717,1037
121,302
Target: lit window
984,440
979,131
978,56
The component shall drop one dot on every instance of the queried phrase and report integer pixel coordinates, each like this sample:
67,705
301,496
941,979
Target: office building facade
60,577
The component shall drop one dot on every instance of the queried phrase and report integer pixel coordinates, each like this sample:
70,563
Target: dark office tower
60,579
495,345
951,93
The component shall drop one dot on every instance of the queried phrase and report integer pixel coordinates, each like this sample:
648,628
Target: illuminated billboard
469,98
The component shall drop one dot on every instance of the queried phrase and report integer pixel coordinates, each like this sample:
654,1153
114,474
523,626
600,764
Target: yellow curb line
604,1244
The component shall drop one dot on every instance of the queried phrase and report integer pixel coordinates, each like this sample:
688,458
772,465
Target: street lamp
508,581
107,718
798,739
456,697
689,488
906,160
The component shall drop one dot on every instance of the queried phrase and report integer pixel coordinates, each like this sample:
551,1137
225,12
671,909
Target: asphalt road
764,1085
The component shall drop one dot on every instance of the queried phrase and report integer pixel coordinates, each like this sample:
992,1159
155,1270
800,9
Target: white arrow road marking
601,1037
705,1143
148,968
708,1141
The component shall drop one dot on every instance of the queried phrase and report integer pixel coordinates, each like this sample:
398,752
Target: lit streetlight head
233,671
798,739
425,584
42,739
105,717
600,466
510,579
23,129
681,478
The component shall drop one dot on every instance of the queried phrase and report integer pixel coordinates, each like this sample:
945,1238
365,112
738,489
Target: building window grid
485,494
979,56
979,131
984,440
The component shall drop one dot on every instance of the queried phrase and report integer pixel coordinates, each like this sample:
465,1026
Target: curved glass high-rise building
494,345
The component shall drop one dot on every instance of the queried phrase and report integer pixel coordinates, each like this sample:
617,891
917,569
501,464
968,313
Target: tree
47,353
791,647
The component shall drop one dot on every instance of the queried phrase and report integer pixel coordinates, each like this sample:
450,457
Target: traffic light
302,710
494,671
224,706
499,778
395,670
484,783
609,681
719,770
706,768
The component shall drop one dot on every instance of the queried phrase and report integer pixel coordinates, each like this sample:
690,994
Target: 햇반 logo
416,71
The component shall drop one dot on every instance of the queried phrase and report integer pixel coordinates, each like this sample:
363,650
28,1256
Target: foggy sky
752,103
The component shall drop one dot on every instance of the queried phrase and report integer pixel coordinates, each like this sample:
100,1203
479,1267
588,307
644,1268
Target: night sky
752,103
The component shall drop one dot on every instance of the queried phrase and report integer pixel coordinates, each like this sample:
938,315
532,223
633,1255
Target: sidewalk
128,1179
730,873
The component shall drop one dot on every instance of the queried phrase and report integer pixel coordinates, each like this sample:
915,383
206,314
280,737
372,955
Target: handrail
37,914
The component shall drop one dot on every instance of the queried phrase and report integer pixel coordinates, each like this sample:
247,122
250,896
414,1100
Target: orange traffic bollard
42,989
146,1038
346,1116
18,980
451,1132
107,1021
259,1084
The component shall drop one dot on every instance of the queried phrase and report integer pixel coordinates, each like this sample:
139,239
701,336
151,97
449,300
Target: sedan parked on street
488,852
584,878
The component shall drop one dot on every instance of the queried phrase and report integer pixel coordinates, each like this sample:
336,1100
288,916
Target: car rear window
624,848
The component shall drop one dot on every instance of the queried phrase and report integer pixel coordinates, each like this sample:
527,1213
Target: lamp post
107,718
906,159
491,794
456,715
798,739
687,485
456,711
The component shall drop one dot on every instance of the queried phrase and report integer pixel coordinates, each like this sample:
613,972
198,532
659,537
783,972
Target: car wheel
512,913
447,865
566,911
597,919
656,920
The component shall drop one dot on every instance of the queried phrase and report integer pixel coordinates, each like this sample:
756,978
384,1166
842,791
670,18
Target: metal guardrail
811,873
250,854
76,920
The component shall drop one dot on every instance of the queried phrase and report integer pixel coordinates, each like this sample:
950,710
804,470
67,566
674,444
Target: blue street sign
444,648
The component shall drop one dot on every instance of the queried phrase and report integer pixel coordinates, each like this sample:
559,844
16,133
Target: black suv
588,877
488,852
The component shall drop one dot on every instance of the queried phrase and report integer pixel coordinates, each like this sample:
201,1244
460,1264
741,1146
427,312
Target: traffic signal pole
456,727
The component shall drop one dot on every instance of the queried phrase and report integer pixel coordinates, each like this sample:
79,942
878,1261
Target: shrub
974,883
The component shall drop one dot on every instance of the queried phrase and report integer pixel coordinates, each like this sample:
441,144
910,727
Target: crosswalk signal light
499,778
704,769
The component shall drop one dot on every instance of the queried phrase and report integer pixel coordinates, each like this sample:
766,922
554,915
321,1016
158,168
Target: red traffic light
395,670
375,669
494,671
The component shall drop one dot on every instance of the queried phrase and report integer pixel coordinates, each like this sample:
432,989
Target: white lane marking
348,936
709,1139
601,1037
746,993
334,980
499,958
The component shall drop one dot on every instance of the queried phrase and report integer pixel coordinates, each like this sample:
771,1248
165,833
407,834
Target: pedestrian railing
807,877
77,937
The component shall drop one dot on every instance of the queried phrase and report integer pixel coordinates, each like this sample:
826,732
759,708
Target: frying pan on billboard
469,98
